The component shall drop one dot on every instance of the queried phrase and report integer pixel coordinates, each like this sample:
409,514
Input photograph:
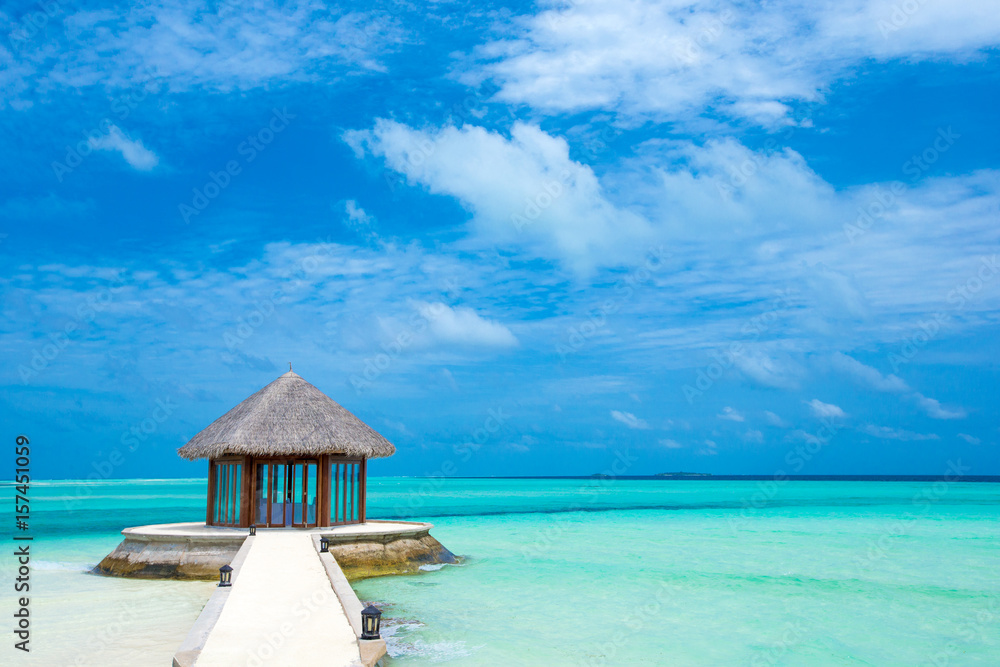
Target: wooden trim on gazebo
298,491
211,493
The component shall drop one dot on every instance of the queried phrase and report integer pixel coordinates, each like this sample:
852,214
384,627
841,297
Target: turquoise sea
584,572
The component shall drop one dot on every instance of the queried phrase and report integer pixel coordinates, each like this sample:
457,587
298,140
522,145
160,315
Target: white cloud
869,375
776,370
670,444
463,326
893,384
227,46
731,415
360,221
773,419
522,190
138,156
825,410
523,445
629,419
971,439
805,436
935,410
449,379
753,435
720,186
887,433
708,448
356,216
587,385
674,59
778,228
398,426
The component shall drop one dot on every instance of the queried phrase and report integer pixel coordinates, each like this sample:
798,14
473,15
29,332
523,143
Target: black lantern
253,530
324,545
371,618
225,576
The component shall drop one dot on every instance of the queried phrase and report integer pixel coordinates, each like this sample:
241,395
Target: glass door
261,486
228,477
297,491
310,499
345,492
303,493
286,493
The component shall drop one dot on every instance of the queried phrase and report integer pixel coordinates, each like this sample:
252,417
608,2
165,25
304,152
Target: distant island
683,474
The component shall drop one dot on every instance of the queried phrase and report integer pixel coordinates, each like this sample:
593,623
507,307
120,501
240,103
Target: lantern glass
371,619
225,576
253,530
324,545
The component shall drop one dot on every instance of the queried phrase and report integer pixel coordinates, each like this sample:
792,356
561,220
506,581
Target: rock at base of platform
152,552
363,559
161,559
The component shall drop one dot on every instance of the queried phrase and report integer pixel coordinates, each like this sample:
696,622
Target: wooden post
364,491
246,493
211,492
323,491
336,493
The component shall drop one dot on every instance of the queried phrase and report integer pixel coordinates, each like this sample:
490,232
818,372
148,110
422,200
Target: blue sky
514,238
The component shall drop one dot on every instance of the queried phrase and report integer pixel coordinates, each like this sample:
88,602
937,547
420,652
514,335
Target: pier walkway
281,610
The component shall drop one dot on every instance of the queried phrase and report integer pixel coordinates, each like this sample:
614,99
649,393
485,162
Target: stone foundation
196,551
362,557
143,558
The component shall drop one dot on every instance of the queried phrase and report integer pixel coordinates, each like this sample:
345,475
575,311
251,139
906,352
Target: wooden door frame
340,497
242,485
305,463
288,490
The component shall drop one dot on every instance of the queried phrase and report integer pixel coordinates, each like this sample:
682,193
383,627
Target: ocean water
82,619
587,572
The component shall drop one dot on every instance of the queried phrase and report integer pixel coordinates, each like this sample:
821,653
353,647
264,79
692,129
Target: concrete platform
201,531
196,551
281,611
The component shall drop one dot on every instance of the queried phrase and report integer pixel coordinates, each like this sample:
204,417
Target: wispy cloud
773,419
888,433
868,375
224,47
825,410
670,444
132,150
778,370
708,448
464,326
971,439
360,221
673,60
893,384
629,420
532,195
731,415
805,436
935,410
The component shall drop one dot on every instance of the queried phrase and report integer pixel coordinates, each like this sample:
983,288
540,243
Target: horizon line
687,477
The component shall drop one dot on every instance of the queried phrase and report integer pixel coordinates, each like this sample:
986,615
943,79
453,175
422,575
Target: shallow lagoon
587,572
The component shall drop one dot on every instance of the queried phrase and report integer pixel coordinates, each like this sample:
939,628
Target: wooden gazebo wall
246,489
325,488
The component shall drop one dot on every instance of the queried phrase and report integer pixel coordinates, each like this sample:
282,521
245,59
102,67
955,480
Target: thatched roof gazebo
287,456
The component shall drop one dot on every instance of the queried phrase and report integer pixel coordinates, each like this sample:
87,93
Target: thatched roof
287,417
